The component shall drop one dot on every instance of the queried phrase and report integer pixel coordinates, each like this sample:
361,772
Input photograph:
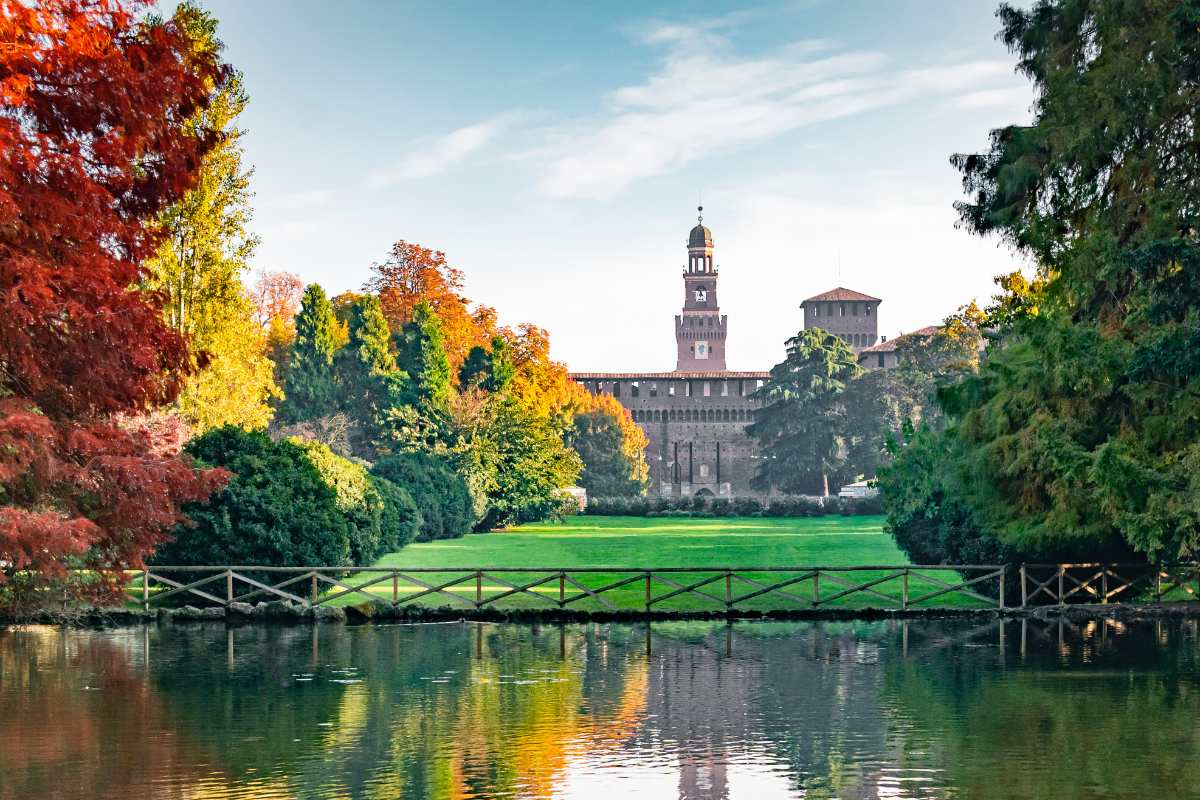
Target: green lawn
664,542
632,543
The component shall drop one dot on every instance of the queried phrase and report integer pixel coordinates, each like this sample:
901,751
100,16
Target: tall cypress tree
311,389
366,368
423,356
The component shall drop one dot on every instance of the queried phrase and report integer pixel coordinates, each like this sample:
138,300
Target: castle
695,416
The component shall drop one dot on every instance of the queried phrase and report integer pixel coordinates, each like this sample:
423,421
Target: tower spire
700,215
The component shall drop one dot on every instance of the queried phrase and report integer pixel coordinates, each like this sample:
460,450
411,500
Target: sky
556,152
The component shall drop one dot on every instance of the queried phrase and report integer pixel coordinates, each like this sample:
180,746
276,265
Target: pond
929,709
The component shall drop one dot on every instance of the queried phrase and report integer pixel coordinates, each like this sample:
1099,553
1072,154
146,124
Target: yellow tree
203,255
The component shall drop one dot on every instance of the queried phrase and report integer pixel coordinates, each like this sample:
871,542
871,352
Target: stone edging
283,612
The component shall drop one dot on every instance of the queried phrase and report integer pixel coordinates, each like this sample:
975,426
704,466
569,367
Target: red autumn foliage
94,100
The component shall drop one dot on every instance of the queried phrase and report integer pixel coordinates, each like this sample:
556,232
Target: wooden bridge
624,589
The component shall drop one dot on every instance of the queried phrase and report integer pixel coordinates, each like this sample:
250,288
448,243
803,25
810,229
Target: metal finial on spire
700,216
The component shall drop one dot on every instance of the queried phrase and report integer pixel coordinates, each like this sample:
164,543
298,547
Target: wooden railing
601,588
1064,584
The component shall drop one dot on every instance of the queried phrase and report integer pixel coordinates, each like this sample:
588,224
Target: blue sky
555,151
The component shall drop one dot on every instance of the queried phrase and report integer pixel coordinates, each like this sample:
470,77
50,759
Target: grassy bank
638,543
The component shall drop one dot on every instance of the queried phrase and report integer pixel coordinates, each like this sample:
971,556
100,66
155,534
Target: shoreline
284,613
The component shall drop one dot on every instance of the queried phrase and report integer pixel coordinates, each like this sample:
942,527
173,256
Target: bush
797,506
439,492
746,507
785,506
276,510
360,500
401,519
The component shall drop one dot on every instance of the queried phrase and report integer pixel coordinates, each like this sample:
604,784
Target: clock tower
700,329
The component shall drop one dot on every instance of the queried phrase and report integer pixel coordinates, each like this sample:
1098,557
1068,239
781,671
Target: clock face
701,295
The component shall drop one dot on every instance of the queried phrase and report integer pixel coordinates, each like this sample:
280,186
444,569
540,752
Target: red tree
91,146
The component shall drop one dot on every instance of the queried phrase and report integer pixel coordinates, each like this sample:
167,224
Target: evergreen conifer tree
491,370
370,382
423,357
311,389
803,417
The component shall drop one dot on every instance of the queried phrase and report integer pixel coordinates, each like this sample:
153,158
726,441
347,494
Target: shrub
276,510
400,521
782,506
796,506
357,498
439,492
746,507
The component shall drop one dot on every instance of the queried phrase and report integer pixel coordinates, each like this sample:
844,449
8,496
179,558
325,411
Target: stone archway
704,493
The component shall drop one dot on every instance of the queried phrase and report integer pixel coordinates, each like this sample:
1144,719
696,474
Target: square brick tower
851,315
700,330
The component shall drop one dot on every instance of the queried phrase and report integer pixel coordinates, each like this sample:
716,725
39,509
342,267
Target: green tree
422,349
611,448
198,267
514,459
370,382
1079,433
311,388
800,425
882,402
491,369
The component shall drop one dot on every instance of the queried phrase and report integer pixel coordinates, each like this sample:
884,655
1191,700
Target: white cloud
705,99
1015,97
440,155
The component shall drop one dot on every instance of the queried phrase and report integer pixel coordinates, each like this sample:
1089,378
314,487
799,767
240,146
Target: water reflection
686,710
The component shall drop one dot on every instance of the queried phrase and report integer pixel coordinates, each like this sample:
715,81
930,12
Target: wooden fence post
904,590
1003,580
728,589
313,589
146,589
562,588
228,586
647,592
1158,583
1024,590
478,587
395,588
1062,601
816,601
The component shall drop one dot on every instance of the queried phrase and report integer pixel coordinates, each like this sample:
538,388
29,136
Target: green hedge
791,506
288,504
439,492
276,509
381,519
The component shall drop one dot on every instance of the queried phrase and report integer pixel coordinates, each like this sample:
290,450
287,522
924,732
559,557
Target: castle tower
700,330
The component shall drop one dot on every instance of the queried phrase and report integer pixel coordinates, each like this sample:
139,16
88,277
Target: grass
632,543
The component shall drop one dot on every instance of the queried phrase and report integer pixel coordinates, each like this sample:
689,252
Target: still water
680,710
